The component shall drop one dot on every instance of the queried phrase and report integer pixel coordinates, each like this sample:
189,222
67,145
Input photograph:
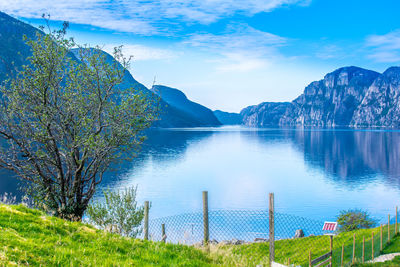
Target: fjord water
314,173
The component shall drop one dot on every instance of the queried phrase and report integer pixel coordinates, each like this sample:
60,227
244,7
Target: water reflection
314,172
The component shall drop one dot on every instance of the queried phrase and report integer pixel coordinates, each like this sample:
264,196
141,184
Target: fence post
163,235
381,237
342,258
363,250
205,217
396,230
372,246
331,246
271,229
146,220
309,259
388,229
354,248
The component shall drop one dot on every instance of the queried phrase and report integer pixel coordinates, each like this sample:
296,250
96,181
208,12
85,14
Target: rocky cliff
348,96
264,115
380,105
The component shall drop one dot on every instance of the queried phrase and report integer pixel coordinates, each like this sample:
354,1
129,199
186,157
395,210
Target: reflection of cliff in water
351,156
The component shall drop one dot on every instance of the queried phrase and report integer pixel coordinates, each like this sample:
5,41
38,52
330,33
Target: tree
119,212
65,119
350,220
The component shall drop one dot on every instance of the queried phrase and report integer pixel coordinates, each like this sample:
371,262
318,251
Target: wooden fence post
372,249
163,235
205,217
381,237
342,258
271,229
354,249
146,220
331,246
388,229
396,230
363,249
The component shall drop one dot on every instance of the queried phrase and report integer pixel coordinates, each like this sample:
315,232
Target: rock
299,233
237,242
225,242
213,242
260,240
348,96
264,115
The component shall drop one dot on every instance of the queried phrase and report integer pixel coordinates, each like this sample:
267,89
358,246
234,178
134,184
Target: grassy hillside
28,237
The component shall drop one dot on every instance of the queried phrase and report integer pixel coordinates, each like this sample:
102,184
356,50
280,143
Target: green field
29,237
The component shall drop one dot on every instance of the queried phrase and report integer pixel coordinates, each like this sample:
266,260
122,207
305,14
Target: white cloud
141,16
385,48
239,62
241,48
237,37
142,53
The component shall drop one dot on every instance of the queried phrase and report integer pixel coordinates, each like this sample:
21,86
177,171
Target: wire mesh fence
298,241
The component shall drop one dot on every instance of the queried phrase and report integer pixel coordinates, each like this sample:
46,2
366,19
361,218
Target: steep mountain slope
349,96
331,101
177,99
228,118
14,52
381,103
264,115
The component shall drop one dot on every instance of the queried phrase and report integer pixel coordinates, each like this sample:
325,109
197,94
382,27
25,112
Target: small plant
349,220
119,213
8,199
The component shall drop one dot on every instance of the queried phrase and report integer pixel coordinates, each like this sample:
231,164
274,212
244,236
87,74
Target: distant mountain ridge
228,118
177,99
14,53
349,96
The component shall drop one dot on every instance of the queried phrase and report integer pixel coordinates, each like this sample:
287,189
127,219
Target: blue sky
229,54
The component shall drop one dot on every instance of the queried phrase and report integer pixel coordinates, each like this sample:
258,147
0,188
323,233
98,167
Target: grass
29,237
392,247
297,250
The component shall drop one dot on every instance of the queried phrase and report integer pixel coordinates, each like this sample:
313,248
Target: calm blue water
314,173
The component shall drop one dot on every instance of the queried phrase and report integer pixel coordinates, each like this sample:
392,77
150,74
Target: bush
349,220
119,212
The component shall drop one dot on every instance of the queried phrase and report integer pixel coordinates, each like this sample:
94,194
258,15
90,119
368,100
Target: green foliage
119,213
66,117
349,220
29,237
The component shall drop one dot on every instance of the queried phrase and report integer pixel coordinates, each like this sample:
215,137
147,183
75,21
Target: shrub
119,213
349,220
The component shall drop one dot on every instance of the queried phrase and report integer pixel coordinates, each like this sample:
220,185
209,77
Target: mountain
331,101
178,100
349,96
264,115
14,52
228,118
380,105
